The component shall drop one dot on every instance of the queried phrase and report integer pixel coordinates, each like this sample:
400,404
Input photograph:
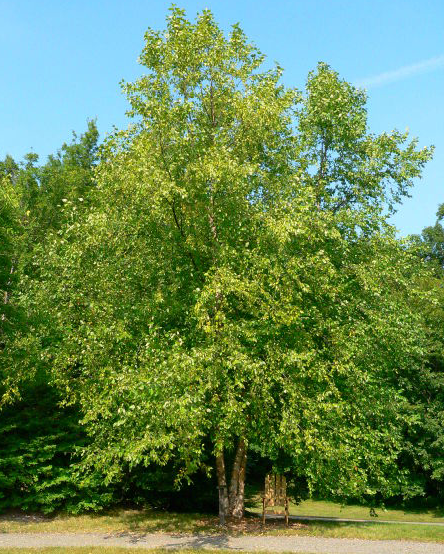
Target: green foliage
221,287
431,241
348,166
66,177
231,276
33,201
37,436
10,231
424,442
38,470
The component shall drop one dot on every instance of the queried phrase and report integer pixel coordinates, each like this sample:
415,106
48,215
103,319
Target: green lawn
149,521
118,520
372,531
331,509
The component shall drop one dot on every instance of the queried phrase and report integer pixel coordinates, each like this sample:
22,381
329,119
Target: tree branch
171,204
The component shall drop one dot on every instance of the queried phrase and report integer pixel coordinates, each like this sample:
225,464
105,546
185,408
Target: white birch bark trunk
222,486
237,483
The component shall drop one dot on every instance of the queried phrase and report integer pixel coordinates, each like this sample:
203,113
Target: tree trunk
222,485
231,502
237,483
238,505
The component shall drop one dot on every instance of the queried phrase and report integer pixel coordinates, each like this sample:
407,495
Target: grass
118,520
138,521
323,508
371,531
149,521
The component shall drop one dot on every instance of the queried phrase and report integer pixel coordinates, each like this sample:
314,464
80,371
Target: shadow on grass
145,522
148,521
431,507
118,520
205,530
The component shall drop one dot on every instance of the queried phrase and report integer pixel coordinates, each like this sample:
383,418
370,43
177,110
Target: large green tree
231,283
32,209
37,435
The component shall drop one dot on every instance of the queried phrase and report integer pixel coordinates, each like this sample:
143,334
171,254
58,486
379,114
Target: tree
32,195
220,290
31,211
36,468
348,167
431,241
67,176
424,442
10,227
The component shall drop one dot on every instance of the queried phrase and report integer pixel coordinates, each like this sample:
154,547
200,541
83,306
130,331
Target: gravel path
315,545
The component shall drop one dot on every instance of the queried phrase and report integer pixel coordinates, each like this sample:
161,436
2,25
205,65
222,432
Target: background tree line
216,291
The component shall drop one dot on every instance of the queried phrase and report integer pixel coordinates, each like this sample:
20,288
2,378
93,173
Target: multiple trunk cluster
231,499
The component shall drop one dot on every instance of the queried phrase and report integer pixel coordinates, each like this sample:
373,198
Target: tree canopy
233,283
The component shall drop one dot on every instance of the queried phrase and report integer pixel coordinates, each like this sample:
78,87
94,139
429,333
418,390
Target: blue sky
62,61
